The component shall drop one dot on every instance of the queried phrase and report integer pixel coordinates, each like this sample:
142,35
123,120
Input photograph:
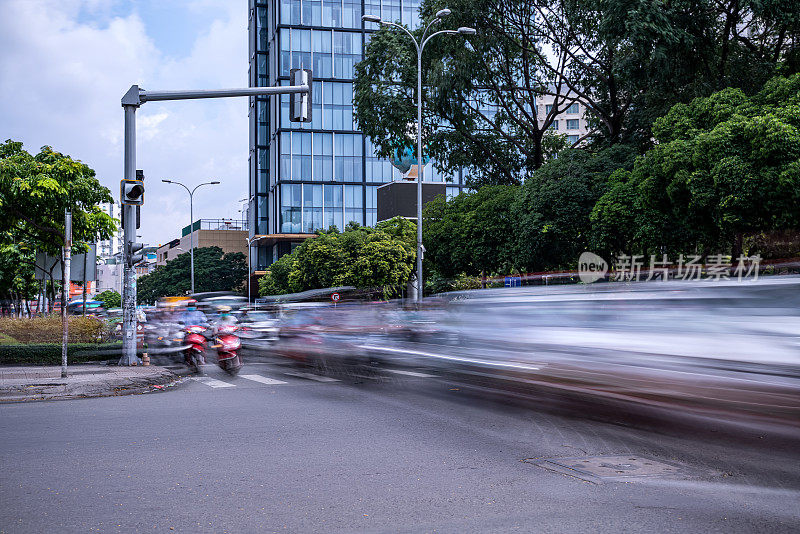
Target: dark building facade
308,176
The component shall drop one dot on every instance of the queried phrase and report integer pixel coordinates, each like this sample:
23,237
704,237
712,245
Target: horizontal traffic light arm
136,96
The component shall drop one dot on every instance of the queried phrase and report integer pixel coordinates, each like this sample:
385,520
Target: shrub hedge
50,353
48,329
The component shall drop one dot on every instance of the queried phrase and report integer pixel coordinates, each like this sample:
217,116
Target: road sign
335,297
513,281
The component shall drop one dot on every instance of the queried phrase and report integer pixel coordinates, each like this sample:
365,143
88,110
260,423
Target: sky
65,64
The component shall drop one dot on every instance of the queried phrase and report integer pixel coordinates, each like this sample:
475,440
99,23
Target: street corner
31,384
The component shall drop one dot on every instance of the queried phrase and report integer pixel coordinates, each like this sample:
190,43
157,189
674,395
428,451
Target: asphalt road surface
269,451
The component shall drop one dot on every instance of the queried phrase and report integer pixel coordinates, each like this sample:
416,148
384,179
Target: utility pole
65,272
131,101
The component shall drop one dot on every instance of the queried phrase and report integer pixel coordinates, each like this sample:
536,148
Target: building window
312,208
351,14
346,53
332,13
371,213
347,157
411,13
291,200
573,124
286,155
548,108
323,157
334,206
353,204
451,192
554,125
572,139
378,170
323,54
573,108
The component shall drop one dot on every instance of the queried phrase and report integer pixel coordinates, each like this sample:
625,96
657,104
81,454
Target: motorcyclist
193,316
225,316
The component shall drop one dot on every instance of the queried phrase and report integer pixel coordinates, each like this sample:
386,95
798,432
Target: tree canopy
626,62
35,191
213,271
110,298
723,167
370,258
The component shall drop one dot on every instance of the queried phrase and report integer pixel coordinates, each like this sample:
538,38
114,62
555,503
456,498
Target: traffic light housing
131,192
135,254
300,103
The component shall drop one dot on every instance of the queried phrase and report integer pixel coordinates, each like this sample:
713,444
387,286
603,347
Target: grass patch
7,340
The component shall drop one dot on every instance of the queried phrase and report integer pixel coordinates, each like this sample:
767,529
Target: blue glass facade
307,176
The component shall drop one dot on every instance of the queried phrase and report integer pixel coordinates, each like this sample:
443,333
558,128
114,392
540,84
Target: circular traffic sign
335,297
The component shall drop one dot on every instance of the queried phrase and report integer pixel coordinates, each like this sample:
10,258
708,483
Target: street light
420,168
191,220
249,252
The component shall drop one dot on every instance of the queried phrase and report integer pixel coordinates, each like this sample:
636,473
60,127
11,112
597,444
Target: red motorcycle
227,344
194,353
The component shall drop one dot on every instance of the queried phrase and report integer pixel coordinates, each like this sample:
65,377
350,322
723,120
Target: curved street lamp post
191,219
420,167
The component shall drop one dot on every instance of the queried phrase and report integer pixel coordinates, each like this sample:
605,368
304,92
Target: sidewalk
19,384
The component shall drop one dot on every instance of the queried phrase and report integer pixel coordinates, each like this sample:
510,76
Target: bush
48,329
110,298
50,353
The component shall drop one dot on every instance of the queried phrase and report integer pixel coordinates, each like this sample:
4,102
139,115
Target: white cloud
61,82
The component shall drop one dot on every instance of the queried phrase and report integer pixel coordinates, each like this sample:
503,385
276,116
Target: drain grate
598,469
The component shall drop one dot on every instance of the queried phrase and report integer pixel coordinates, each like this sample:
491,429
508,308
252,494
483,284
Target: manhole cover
620,467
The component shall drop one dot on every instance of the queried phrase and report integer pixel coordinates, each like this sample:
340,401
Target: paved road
273,452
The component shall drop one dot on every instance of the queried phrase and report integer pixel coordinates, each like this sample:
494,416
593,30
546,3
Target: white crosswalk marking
263,379
310,376
410,373
213,382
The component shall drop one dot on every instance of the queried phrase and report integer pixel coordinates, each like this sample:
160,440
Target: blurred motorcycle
227,344
195,341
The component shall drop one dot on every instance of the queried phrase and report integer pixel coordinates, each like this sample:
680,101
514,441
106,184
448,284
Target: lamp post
191,220
420,167
249,252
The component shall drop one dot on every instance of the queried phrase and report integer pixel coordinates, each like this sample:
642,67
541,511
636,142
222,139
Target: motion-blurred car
257,329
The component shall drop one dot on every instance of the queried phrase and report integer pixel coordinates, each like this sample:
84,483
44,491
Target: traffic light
300,103
131,192
139,176
135,254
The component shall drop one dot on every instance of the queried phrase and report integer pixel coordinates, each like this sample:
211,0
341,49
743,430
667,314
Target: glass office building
308,176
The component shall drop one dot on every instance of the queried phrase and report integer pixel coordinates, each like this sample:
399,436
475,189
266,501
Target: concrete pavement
30,383
277,451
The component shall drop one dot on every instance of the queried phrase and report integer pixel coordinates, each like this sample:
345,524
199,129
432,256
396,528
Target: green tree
724,167
625,62
213,271
363,257
110,298
17,283
472,233
36,190
551,212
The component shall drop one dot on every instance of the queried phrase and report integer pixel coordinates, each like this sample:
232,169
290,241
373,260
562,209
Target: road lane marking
213,382
263,379
410,373
311,376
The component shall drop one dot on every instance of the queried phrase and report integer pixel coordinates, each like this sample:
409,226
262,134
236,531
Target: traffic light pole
134,98
129,356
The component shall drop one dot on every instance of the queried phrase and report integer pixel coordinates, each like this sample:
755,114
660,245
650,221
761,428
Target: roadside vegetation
366,258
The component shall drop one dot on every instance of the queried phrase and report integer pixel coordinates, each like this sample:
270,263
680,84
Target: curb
111,388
